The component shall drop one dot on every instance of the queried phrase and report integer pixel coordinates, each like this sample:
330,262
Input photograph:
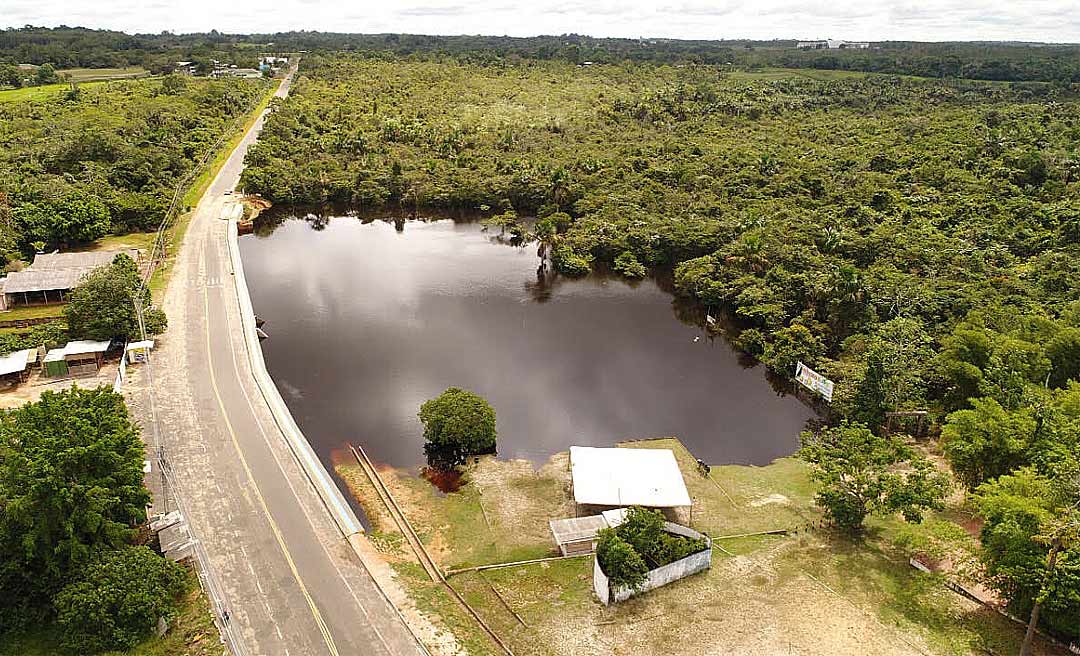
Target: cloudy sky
925,20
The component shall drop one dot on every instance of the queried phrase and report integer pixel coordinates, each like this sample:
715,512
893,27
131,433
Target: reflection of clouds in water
290,390
395,319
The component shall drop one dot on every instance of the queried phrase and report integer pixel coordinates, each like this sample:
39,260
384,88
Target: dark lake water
366,323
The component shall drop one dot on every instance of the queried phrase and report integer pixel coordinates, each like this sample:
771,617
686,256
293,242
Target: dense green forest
65,47
78,47
73,566
835,218
106,158
916,240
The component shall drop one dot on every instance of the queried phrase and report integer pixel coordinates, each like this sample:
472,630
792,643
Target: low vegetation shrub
50,335
627,552
623,566
860,473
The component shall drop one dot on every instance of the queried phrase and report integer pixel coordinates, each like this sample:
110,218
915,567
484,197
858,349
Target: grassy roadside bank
160,280
807,592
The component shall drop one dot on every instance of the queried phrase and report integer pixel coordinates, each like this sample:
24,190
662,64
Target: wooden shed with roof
79,357
15,367
53,275
577,535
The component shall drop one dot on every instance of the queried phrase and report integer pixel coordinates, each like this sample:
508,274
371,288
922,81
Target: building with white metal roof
627,477
15,366
15,361
81,346
83,260
76,357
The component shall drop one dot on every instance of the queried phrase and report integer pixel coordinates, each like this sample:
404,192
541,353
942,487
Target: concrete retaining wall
313,467
660,576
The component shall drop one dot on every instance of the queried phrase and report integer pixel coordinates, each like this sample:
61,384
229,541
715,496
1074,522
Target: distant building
185,68
272,65
832,44
233,71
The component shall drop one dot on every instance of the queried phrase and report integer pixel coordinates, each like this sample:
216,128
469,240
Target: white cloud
874,20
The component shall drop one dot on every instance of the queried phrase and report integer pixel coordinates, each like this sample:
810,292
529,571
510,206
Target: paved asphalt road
292,584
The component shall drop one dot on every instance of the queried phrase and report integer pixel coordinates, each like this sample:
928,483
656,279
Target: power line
207,576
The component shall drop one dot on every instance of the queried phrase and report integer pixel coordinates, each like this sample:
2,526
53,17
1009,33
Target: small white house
616,478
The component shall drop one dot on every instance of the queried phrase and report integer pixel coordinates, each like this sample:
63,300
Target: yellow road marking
258,494
307,515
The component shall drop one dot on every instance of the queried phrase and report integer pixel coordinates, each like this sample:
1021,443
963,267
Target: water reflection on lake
366,323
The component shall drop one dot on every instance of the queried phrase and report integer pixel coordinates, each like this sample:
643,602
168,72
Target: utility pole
159,447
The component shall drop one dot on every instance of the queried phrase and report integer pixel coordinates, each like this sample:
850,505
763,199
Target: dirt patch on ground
364,492
254,206
438,640
766,500
743,605
30,391
519,500
501,513
807,592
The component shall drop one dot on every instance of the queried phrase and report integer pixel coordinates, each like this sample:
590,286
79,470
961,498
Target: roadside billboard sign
814,381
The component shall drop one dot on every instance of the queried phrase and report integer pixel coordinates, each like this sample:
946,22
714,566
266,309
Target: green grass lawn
140,240
501,514
93,74
32,312
39,93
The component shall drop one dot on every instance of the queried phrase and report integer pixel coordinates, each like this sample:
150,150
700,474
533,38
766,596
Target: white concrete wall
660,576
313,467
600,583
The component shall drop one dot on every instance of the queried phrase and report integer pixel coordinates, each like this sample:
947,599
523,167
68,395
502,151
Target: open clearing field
39,93
809,592
92,74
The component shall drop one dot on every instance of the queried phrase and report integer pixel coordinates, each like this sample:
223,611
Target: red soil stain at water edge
445,480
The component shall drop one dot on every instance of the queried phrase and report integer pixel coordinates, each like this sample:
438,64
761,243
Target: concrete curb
331,496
